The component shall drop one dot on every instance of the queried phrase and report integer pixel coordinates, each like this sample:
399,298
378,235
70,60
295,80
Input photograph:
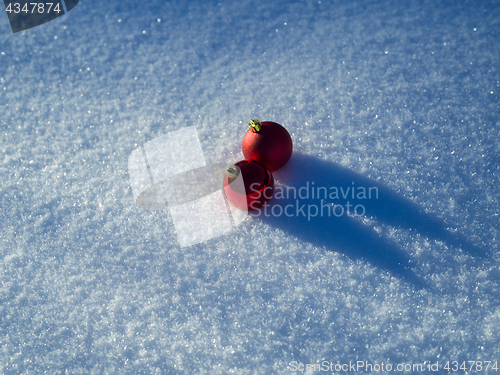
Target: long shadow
336,230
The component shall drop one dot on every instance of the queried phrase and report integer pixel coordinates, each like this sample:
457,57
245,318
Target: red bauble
256,188
268,143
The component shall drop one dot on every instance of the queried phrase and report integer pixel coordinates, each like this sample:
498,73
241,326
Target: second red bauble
269,143
248,185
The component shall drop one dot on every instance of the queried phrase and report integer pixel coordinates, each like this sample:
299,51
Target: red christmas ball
248,185
269,143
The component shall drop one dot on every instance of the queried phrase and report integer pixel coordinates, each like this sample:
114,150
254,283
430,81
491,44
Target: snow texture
401,97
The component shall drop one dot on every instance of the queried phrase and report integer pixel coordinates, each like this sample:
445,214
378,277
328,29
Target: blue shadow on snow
345,233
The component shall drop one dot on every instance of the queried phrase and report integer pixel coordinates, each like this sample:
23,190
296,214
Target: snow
394,95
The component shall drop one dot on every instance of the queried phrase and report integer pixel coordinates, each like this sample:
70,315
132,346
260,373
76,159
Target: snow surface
398,95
